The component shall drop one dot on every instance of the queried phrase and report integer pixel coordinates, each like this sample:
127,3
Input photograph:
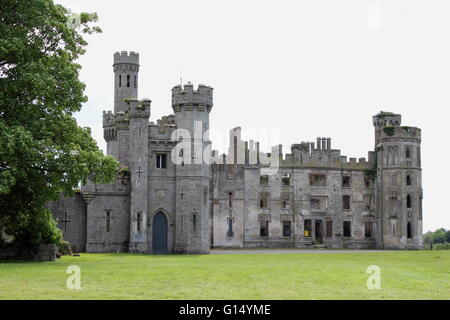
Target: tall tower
399,182
192,108
126,71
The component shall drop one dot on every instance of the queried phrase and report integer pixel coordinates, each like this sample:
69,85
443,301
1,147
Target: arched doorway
159,239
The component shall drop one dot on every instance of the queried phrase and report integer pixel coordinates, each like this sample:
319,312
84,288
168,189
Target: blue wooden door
160,233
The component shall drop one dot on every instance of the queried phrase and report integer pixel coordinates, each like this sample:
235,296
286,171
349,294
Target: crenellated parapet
124,61
185,96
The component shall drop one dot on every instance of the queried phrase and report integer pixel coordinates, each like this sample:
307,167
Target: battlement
387,119
186,95
108,119
125,57
400,132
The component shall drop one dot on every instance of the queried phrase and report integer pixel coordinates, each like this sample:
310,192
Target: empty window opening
408,152
368,229
347,229
128,80
346,181
329,229
230,199
408,180
135,82
264,180
317,180
287,232
263,200
264,228
286,180
194,222
230,227
367,200
120,80
286,200
161,161
138,222
307,228
108,221
346,202
409,230
408,201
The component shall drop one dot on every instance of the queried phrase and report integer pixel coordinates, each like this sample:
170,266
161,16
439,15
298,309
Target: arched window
120,80
409,230
408,180
408,201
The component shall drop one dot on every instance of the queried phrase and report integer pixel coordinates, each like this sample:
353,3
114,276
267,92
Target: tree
43,151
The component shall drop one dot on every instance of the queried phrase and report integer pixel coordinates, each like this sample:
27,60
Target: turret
126,71
399,182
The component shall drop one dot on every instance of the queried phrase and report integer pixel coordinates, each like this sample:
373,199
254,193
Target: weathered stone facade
167,199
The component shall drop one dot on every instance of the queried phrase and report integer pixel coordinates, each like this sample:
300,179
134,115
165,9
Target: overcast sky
306,68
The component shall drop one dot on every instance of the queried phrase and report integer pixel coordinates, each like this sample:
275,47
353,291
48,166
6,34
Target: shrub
442,246
64,248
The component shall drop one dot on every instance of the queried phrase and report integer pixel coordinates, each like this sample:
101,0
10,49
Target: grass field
404,275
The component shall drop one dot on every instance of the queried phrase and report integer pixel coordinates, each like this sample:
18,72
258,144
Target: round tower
192,108
126,71
399,182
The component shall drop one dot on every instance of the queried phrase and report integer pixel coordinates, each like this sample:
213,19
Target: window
263,200
368,229
264,180
346,181
317,180
315,204
138,222
409,230
161,161
347,229
367,181
120,80
230,227
408,152
230,199
329,229
128,80
307,228
264,228
286,180
194,222
108,221
287,228
367,200
408,180
135,82
408,201
346,202
285,200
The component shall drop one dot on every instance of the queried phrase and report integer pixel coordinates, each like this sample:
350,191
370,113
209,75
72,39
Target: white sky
307,68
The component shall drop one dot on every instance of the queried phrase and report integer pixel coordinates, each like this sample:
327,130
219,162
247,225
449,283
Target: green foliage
64,248
42,149
383,114
390,131
438,236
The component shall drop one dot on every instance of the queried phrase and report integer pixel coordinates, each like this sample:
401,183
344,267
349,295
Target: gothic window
409,230
264,228
287,228
347,229
230,227
368,229
408,201
408,180
286,180
307,228
128,80
138,222
264,180
263,200
346,181
346,202
317,180
161,161
329,229
108,221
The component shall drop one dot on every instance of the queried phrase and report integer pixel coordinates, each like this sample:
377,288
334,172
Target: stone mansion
315,198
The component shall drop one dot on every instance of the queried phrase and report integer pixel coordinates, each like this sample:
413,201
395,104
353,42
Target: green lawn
404,275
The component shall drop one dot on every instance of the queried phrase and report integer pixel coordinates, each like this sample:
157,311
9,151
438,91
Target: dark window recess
346,202
194,222
347,229
408,180
264,180
368,229
138,222
264,200
230,199
329,226
317,180
409,230
128,80
307,228
108,221
264,228
408,152
230,228
315,204
408,201
161,161
135,82
287,232
346,181
286,180
120,80
286,200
